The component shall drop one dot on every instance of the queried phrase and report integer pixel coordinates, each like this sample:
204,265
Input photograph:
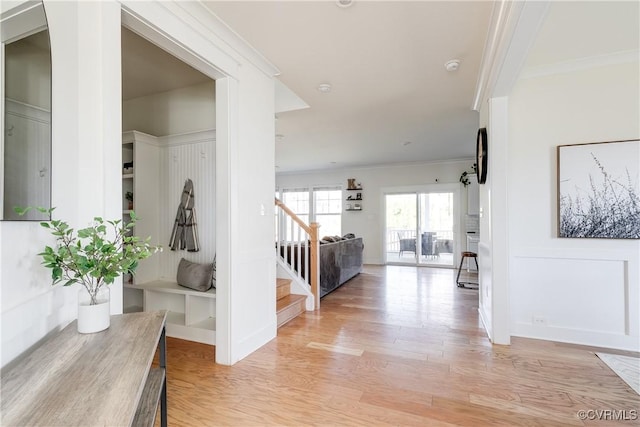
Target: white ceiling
147,69
385,63
392,100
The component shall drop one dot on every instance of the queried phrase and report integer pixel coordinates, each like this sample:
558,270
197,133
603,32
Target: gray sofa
339,262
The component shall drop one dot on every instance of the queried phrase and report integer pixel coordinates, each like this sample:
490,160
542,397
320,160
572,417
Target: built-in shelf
351,210
127,176
190,313
171,287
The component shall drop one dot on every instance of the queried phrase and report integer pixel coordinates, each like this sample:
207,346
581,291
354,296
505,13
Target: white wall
369,223
585,290
28,73
254,260
183,110
85,175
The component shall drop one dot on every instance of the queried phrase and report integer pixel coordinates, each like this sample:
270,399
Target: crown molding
513,28
136,136
374,166
579,64
200,17
188,138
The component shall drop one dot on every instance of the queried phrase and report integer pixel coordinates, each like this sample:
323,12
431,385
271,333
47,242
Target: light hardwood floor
395,346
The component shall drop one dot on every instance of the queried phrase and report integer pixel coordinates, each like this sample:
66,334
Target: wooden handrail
314,280
293,216
314,251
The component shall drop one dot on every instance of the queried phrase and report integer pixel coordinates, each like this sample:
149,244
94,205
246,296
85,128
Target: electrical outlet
539,321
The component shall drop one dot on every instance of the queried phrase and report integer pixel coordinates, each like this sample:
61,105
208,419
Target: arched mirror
25,155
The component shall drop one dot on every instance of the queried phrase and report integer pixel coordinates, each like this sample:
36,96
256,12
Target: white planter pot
94,315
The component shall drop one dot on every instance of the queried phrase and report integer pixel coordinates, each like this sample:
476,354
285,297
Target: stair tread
288,301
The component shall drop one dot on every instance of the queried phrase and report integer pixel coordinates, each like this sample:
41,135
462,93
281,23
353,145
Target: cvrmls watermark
608,414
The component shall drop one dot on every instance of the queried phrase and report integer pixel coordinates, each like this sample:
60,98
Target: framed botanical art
599,190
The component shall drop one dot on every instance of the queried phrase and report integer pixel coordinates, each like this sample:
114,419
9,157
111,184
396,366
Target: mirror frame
18,22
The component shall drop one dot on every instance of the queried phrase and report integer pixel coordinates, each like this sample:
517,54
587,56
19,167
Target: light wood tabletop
75,379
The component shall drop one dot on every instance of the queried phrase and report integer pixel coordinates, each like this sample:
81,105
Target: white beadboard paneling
181,159
588,294
27,162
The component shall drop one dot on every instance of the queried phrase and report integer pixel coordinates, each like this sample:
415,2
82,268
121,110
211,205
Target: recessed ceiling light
324,87
344,3
452,65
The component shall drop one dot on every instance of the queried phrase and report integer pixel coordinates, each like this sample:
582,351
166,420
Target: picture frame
598,189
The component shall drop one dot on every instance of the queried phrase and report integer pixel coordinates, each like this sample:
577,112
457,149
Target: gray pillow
195,276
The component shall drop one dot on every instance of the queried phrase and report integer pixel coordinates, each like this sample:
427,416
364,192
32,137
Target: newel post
315,263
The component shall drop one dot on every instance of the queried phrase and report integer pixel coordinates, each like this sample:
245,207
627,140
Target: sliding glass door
401,230
421,228
437,231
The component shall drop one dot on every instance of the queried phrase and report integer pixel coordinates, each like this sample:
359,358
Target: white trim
203,19
254,341
27,111
196,137
376,166
132,13
513,29
498,155
131,136
575,336
226,227
178,139
622,57
22,21
485,324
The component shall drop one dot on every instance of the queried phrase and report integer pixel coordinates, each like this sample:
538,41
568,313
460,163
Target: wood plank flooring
395,346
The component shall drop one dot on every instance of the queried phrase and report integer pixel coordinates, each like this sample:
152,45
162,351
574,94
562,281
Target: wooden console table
96,379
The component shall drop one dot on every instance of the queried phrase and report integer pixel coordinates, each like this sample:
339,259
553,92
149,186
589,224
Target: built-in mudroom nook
168,183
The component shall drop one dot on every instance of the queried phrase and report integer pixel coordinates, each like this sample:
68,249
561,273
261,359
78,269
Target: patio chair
429,248
406,245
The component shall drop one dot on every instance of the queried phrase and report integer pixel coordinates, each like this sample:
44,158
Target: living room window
327,209
317,204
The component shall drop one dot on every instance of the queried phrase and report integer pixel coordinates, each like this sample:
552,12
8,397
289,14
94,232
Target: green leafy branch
464,178
94,256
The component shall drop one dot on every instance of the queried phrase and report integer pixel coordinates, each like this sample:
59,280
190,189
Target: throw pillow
194,275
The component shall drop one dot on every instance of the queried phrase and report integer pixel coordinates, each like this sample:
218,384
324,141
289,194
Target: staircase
288,305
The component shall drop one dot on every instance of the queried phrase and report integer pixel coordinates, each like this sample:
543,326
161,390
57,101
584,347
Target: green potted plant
464,178
93,257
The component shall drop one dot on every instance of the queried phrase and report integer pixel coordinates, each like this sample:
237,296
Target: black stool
466,254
